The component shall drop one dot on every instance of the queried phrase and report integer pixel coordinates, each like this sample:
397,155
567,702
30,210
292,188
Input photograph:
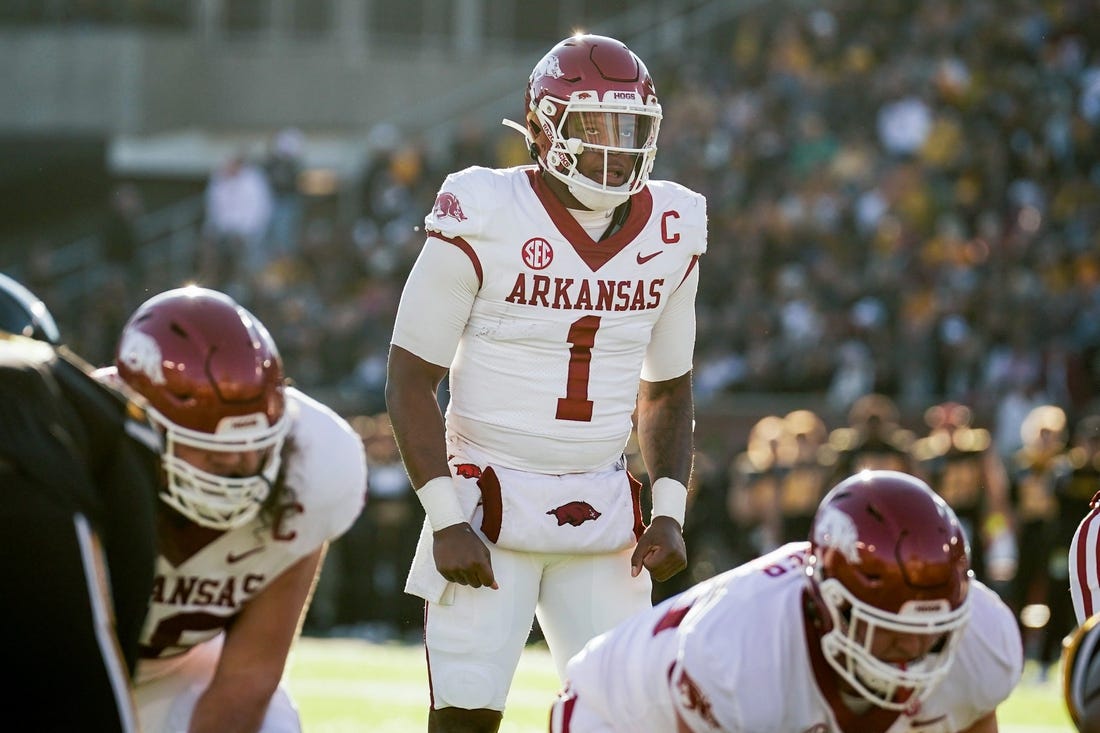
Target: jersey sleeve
700,680
990,660
458,210
671,348
436,302
330,477
439,292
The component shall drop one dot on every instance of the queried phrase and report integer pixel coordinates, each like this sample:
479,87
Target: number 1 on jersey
582,336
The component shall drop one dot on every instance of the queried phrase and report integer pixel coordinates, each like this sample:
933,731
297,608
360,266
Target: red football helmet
888,555
214,381
592,93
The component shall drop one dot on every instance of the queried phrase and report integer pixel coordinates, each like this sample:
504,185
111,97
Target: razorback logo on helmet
446,205
575,513
140,353
468,470
836,529
549,66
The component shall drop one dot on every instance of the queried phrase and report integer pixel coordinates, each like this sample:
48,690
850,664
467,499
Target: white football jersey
560,329
732,654
1084,564
326,469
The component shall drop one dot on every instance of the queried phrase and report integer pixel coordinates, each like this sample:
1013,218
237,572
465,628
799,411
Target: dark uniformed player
78,481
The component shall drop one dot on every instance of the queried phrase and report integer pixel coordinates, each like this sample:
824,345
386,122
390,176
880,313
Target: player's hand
661,550
461,557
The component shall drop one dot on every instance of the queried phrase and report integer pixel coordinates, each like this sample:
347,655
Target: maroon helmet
213,380
887,554
593,93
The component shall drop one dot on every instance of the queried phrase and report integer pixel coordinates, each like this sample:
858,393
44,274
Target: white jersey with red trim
326,471
560,329
732,654
1084,564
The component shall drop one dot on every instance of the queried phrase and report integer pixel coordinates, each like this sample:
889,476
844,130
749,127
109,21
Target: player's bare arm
460,555
665,415
255,652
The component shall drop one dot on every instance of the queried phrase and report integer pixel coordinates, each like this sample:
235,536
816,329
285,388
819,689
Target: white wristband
669,499
440,503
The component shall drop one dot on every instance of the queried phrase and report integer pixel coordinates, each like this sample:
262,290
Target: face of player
900,649
238,464
602,133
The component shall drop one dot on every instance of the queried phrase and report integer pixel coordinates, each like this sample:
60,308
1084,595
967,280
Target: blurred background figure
807,469
959,462
752,499
283,167
239,205
121,245
873,439
361,592
1039,584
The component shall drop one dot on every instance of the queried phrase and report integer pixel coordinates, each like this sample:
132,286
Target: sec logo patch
537,253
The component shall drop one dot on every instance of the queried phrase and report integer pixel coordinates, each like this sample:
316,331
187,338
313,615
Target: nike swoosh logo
235,558
642,259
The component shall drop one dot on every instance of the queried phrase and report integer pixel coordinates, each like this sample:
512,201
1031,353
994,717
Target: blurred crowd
1019,506
904,203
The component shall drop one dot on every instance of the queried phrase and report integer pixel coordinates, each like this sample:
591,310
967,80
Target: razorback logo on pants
468,470
575,513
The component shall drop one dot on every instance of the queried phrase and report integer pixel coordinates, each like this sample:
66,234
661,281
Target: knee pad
471,686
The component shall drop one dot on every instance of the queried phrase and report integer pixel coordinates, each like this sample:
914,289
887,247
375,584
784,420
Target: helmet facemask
848,644
211,500
622,123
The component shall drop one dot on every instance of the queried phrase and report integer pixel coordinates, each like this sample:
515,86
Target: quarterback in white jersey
259,478
874,626
559,298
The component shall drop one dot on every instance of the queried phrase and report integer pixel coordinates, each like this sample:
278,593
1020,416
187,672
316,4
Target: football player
875,624
78,468
259,478
556,297
1078,497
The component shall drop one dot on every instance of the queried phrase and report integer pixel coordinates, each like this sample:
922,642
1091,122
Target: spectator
238,212
283,166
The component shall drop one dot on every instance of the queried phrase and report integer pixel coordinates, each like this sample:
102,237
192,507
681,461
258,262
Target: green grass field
345,685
